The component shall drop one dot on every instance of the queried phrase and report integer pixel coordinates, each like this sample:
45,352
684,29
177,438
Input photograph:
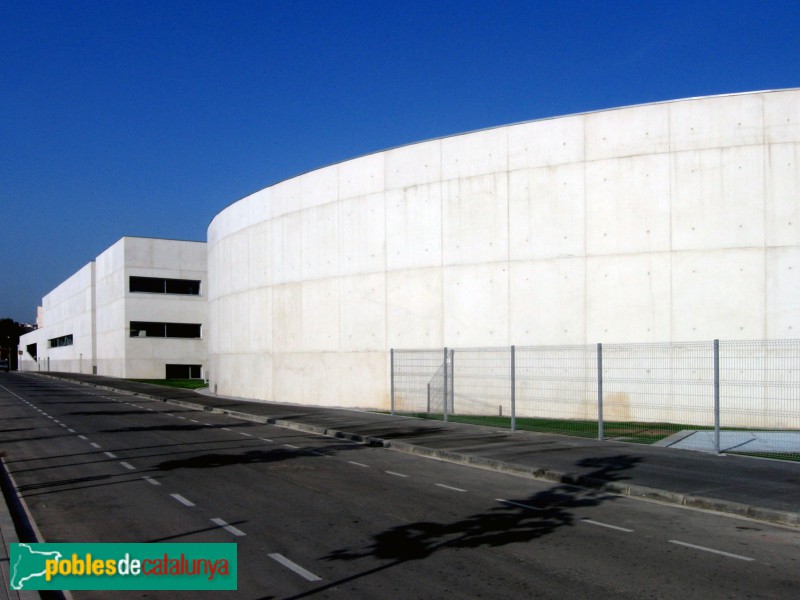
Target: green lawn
628,431
188,384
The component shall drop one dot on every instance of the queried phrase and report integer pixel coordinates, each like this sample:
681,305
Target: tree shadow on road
218,459
512,521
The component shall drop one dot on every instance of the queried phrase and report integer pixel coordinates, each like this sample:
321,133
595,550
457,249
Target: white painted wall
96,306
68,309
670,221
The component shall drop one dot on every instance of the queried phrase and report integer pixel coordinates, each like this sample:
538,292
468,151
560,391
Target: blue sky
147,118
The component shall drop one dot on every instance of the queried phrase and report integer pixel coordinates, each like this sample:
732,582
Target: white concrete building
138,311
663,222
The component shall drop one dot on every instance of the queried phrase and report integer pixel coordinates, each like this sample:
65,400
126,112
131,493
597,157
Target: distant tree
10,331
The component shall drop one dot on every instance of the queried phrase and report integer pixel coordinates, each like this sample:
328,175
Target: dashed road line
293,446
228,528
712,550
600,524
83,437
266,440
520,504
110,454
450,487
71,430
127,465
182,500
304,573
95,445
396,474
151,481
245,433
358,464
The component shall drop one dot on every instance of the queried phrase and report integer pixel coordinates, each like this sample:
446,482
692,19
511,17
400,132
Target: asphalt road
315,517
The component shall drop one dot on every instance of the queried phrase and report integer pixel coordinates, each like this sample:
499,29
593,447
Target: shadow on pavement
517,520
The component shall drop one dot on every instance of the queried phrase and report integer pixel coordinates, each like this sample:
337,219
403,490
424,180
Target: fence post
716,396
600,392
452,404
513,389
444,399
391,377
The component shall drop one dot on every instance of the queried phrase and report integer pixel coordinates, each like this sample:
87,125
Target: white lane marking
703,548
127,465
206,424
83,437
520,504
358,464
182,500
169,414
450,487
151,481
95,445
266,439
228,528
247,434
395,474
307,575
71,430
194,421
225,429
63,425
110,454
291,446
180,417
57,421
591,522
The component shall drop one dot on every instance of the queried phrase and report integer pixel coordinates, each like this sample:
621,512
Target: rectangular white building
138,311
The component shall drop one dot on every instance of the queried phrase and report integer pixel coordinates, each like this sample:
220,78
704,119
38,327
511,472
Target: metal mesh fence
412,374
482,385
654,391
732,396
760,397
556,389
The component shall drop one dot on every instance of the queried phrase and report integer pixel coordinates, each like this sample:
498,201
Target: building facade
137,311
674,221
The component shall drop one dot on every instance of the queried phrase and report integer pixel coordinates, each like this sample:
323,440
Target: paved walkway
738,441
767,490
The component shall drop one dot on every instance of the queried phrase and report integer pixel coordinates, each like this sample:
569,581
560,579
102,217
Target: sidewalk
766,490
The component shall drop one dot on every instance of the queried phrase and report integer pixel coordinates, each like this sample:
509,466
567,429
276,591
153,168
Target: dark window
147,329
183,330
170,330
31,349
188,287
64,340
147,284
184,371
159,285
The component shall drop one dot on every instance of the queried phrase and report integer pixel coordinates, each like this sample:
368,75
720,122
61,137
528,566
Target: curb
25,530
633,491
727,507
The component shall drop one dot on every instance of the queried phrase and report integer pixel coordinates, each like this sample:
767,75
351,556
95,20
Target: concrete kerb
633,491
23,529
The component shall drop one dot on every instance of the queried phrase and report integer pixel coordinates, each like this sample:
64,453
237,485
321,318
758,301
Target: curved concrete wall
670,221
